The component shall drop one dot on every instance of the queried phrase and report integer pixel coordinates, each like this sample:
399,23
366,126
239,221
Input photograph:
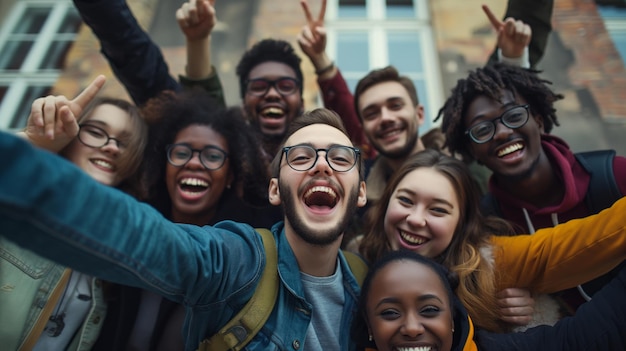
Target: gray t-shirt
326,295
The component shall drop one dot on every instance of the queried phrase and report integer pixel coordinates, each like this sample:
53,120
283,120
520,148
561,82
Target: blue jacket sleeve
134,58
53,208
598,325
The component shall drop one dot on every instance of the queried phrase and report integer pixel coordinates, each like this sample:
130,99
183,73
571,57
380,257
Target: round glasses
340,158
211,157
515,117
93,136
260,86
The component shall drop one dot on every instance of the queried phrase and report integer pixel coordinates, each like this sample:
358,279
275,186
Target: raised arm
52,123
513,37
134,58
564,256
335,91
196,20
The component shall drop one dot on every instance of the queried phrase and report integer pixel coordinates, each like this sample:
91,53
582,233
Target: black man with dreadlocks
501,116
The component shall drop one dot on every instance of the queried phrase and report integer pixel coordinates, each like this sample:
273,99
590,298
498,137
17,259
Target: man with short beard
212,270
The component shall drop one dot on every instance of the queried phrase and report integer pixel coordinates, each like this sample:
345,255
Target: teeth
420,348
323,189
412,239
274,111
193,182
103,164
509,149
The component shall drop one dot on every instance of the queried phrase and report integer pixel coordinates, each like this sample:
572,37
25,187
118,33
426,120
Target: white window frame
29,74
377,27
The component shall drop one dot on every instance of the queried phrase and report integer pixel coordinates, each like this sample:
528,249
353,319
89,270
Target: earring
370,337
453,330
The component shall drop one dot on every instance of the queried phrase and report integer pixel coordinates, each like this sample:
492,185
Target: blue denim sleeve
52,207
134,58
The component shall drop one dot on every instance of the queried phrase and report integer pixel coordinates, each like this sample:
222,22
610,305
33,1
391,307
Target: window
615,23
34,39
368,34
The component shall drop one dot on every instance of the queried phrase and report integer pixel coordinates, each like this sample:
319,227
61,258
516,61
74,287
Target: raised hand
516,306
52,123
513,35
312,38
196,19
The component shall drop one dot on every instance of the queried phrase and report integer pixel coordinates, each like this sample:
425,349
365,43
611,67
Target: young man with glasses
213,270
501,116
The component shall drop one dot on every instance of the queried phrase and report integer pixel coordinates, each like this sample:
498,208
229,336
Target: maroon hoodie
576,181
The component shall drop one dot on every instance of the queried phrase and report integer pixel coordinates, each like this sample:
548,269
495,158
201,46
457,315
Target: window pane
14,53
352,8
32,20
405,51
422,94
22,112
353,51
71,22
400,8
55,56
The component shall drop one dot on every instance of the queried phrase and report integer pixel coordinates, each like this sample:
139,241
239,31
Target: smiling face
408,309
101,163
390,120
511,152
194,190
318,203
272,112
423,213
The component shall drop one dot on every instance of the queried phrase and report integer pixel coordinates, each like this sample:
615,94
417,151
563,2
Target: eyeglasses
211,157
260,86
515,117
93,136
340,158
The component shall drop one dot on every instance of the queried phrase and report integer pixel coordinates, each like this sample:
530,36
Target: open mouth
510,149
412,239
193,186
273,112
321,197
103,164
418,348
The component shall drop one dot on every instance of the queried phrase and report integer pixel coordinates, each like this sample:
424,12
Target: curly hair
467,255
264,51
377,76
492,81
169,113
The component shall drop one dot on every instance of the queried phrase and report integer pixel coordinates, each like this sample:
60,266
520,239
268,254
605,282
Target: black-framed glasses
340,158
260,86
515,117
211,157
94,136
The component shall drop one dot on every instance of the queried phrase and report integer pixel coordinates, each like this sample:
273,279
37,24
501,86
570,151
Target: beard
311,235
405,151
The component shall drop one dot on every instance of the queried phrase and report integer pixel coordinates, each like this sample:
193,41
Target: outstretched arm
196,20
52,123
335,91
134,58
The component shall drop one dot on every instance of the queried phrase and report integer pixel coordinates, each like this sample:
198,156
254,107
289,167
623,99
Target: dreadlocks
491,81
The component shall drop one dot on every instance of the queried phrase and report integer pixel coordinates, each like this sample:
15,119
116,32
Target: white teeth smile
103,164
273,112
193,182
412,239
510,149
323,189
420,348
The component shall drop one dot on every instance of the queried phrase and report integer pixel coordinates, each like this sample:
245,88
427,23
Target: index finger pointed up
495,22
307,12
320,17
88,94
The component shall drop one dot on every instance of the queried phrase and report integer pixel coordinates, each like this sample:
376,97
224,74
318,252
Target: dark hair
264,51
471,236
359,330
172,112
377,76
491,81
129,161
316,116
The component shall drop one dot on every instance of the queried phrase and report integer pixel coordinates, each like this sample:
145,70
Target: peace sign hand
312,38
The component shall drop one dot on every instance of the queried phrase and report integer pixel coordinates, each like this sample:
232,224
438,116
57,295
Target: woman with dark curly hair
202,165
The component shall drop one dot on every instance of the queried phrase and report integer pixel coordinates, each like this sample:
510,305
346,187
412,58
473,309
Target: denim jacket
69,218
28,284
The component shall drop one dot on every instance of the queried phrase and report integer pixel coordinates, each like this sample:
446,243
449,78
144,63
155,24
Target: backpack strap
358,267
238,332
603,190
